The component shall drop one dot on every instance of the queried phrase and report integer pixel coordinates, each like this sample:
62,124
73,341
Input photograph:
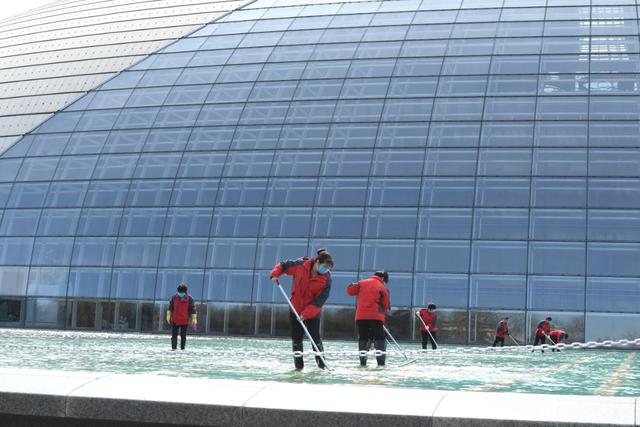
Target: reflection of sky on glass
604,326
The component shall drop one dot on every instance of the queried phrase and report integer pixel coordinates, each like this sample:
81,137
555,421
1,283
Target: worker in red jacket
181,313
502,329
542,331
557,335
310,290
428,318
372,306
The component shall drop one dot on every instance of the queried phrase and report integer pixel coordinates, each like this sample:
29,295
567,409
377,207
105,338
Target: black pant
426,337
297,333
499,340
371,331
174,336
540,339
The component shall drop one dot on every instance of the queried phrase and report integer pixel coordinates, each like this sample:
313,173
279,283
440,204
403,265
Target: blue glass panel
230,285
558,224
346,252
137,252
201,165
167,140
189,192
614,225
99,222
561,134
215,138
52,251
499,257
115,166
9,169
614,193
149,193
497,292
19,222
142,222
58,222
246,164
441,256
168,281
15,250
612,294
359,135
188,222
442,223
614,162
272,251
613,259
98,120
93,251
76,167
133,283
449,290
28,195
48,145
61,122
67,194
285,222
458,134
239,222
552,193
179,252
231,253
501,224
448,162
447,192
556,258
47,281
86,143
37,169
242,192
398,223
398,162
14,280
295,191
297,163
89,282
395,255
555,293
346,163
337,222
393,192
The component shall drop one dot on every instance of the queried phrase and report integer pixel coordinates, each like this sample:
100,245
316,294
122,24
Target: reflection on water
582,372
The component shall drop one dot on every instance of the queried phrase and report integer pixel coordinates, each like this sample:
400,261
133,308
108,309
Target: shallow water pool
580,372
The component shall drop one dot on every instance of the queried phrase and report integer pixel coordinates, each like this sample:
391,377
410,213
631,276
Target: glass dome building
484,152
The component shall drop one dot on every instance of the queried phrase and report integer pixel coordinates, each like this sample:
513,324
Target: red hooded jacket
429,318
543,329
373,298
309,293
502,328
556,335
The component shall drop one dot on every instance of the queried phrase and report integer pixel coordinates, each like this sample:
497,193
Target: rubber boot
382,346
298,361
363,345
318,359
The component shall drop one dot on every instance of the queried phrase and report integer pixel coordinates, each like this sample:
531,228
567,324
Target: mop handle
514,340
427,328
394,342
304,327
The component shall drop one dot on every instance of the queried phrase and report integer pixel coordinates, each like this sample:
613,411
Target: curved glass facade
483,152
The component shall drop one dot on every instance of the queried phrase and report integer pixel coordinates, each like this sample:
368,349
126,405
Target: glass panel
556,293
497,292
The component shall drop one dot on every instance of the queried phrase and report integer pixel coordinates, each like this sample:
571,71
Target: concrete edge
248,403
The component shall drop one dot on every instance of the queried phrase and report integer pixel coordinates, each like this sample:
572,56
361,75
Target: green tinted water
583,372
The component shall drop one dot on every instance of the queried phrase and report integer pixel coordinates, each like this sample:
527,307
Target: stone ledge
123,399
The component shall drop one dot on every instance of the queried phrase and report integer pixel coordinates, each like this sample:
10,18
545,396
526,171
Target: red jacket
556,335
543,329
429,318
181,309
309,293
502,328
373,298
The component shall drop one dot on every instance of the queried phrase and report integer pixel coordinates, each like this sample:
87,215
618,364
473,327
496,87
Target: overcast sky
15,7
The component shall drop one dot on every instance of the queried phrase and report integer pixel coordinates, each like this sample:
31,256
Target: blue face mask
181,294
323,269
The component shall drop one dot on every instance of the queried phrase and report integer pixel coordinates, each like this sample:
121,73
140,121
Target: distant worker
542,332
310,290
502,329
181,313
428,330
557,335
372,306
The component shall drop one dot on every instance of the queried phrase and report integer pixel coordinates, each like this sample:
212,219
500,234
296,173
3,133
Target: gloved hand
418,313
194,322
275,281
168,317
